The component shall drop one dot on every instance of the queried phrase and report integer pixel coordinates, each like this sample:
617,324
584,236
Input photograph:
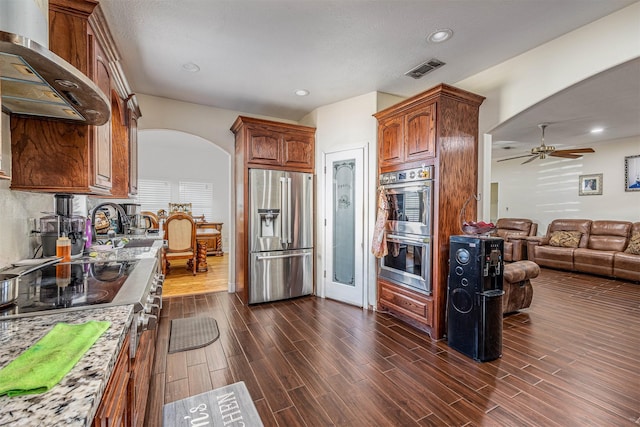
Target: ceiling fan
542,151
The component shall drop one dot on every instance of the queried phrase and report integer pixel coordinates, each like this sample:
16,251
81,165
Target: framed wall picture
590,185
632,173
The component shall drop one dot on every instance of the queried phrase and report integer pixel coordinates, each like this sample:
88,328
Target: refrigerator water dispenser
268,218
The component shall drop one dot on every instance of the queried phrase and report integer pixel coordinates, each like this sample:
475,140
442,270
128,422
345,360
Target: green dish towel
46,362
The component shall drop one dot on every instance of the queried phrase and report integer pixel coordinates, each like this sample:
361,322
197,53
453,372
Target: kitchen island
75,399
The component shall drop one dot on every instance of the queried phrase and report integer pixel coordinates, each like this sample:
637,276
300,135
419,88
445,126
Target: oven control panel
407,176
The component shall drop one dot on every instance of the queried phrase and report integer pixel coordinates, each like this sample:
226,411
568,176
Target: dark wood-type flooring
572,359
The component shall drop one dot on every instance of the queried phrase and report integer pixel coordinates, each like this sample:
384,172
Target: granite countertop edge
75,399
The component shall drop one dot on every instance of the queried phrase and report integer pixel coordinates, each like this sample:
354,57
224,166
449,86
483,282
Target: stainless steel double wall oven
408,228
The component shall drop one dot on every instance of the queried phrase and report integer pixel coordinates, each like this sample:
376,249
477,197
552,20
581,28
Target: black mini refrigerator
474,305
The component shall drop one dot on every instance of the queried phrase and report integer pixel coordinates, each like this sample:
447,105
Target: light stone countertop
75,399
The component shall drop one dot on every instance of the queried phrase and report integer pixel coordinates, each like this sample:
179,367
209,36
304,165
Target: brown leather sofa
512,230
586,246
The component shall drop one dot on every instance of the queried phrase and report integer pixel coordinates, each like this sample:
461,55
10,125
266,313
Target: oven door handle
414,185
394,238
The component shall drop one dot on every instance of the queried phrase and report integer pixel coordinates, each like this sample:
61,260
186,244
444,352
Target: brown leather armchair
514,231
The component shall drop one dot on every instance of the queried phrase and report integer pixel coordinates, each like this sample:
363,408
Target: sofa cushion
626,266
634,245
554,257
593,261
609,235
565,239
581,225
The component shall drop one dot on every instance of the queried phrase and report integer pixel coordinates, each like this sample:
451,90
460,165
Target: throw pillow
565,239
634,244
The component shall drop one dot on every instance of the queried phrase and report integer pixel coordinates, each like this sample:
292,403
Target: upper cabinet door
101,145
391,141
298,150
421,133
264,146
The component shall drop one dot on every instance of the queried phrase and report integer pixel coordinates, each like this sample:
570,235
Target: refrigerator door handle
289,210
260,258
284,220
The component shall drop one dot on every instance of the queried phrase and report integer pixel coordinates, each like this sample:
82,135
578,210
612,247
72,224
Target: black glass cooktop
68,285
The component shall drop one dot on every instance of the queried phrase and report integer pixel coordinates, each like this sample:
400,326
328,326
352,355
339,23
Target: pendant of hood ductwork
37,82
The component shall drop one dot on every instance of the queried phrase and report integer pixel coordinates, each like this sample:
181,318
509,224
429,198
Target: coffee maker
62,224
136,221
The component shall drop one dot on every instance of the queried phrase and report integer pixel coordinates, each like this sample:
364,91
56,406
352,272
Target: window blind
200,195
154,195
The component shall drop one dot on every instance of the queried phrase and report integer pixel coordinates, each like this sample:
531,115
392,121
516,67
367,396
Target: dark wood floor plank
221,378
199,379
307,373
214,356
266,416
273,390
155,401
570,359
309,409
176,390
176,366
364,410
394,383
241,371
337,409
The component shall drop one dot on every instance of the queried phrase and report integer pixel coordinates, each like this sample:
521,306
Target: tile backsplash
16,209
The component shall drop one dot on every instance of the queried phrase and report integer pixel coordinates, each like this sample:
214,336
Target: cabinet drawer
406,302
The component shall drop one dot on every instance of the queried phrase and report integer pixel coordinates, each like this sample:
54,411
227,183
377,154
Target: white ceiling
253,54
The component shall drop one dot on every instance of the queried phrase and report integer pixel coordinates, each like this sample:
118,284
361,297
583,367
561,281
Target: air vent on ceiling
424,68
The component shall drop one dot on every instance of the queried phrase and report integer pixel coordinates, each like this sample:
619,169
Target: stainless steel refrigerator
280,235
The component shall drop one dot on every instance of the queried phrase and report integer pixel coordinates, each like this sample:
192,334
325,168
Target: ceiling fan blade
576,150
565,155
531,159
511,158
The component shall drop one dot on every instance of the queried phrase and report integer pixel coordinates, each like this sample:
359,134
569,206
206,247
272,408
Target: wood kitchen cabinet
275,145
133,115
264,144
55,156
407,137
438,128
114,409
142,366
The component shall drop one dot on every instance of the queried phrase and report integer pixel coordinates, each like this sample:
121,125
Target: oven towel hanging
379,243
45,363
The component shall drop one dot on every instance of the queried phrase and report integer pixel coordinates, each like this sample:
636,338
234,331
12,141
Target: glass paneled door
344,260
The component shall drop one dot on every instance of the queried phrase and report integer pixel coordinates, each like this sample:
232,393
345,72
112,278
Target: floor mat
192,332
224,406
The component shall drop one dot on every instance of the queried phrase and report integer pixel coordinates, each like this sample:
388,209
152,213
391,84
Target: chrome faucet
123,217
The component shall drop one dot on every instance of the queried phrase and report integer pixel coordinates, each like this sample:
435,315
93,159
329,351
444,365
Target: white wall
178,156
516,84
16,209
545,190
347,125
343,126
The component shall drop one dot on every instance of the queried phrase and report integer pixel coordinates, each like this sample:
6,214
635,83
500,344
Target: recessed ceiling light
302,92
597,130
439,36
191,67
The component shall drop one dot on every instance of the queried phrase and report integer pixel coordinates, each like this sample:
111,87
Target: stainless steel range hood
37,82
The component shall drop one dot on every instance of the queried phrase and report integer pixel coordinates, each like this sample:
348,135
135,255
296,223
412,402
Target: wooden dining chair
180,233
151,219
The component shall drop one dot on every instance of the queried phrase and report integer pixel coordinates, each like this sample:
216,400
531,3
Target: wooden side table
212,233
208,234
